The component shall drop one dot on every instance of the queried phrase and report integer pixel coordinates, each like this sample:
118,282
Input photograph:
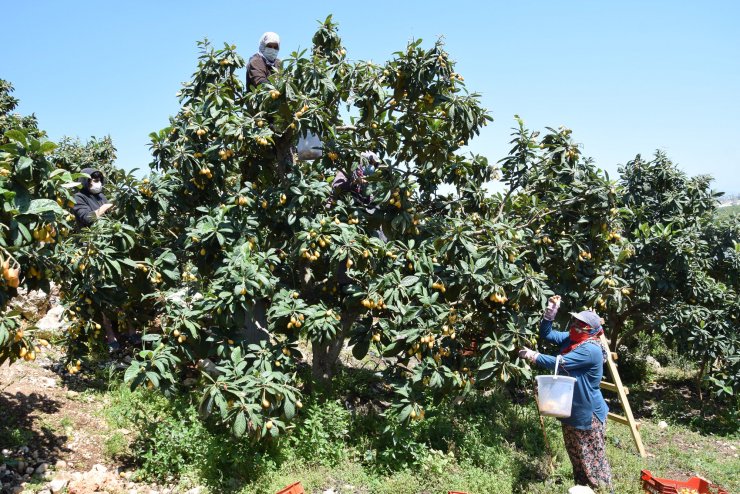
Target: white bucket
555,393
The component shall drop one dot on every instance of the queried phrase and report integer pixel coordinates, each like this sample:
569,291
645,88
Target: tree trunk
325,358
326,354
284,155
699,378
615,334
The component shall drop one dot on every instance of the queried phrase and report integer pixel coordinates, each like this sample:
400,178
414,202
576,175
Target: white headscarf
268,37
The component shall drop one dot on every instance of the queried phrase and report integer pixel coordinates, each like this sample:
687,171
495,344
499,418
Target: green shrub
170,441
321,436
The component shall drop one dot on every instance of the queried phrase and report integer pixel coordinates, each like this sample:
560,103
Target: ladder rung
614,355
622,420
612,387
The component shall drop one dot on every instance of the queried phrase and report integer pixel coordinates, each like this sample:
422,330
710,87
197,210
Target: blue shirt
586,364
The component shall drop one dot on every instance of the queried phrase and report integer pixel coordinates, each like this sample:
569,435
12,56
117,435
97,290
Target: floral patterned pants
587,451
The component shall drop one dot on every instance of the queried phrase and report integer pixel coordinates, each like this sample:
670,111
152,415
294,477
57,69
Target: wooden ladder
617,387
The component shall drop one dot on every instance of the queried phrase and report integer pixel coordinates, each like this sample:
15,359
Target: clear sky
627,76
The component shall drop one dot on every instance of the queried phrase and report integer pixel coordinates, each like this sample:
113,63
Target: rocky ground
53,434
52,427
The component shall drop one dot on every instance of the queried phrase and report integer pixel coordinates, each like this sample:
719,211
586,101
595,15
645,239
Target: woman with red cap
582,356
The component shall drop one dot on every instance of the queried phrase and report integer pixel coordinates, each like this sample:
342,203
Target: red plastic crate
657,485
295,488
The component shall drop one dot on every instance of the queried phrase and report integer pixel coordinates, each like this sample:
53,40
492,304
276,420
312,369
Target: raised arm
546,331
550,335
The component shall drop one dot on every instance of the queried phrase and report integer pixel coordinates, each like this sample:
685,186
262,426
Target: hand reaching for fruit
553,304
527,354
103,209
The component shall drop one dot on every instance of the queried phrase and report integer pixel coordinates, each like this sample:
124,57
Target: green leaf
47,147
16,135
153,377
409,281
131,372
25,234
360,349
24,164
41,206
115,265
240,424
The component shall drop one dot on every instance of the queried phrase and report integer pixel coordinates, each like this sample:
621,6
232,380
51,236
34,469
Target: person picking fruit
582,356
265,62
90,203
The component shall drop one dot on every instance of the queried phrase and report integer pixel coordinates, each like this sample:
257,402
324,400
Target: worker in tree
259,68
355,185
265,61
582,356
91,205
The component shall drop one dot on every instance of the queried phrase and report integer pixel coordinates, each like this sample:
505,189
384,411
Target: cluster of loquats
544,240
11,274
225,154
438,285
499,298
45,233
296,321
27,351
74,368
395,199
371,304
179,336
145,188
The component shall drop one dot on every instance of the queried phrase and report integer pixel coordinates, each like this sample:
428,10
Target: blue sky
627,76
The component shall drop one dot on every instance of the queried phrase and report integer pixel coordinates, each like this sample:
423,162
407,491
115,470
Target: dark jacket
258,70
586,364
86,203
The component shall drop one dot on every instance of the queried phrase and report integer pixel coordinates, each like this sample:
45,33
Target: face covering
581,335
96,187
270,54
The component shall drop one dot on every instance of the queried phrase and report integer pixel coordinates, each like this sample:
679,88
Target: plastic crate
657,485
295,488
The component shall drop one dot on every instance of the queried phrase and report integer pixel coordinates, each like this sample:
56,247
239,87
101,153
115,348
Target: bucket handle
557,362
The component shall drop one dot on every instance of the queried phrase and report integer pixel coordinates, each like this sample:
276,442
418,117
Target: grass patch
16,437
490,444
115,446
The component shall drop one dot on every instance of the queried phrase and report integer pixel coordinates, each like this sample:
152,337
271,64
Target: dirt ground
53,428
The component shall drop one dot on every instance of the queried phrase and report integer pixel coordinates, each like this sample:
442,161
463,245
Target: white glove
552,308
103,209
527,354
